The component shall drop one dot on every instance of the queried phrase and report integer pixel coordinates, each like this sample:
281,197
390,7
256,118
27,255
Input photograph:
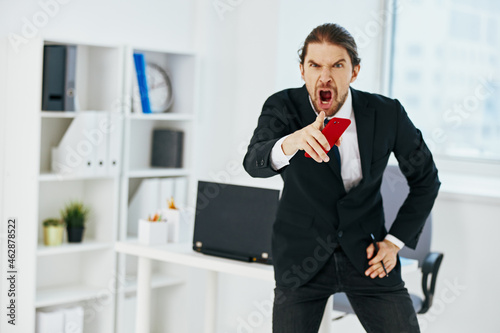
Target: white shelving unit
157,281
91,274
65,294
81,273
159,172
170,292
162,116
73,248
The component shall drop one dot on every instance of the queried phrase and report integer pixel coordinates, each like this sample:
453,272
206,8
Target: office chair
394,191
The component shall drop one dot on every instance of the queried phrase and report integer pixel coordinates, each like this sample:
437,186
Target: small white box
172,216
49,322
153,233
73,319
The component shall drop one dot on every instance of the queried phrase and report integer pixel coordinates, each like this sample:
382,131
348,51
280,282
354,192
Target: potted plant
75,215
52,231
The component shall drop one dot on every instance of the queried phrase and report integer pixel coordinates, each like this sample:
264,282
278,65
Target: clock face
159,88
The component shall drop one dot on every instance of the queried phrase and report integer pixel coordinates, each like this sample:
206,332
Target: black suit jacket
315,211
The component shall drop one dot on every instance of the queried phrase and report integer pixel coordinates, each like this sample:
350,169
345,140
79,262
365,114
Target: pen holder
172,216
153,233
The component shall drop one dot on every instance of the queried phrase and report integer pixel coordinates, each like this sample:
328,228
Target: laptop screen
235,221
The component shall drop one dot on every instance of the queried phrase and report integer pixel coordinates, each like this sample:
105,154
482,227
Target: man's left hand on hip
387,253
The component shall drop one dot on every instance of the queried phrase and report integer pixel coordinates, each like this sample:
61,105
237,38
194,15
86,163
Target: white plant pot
153,233
172,216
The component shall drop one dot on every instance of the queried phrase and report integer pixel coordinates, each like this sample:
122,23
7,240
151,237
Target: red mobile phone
334,130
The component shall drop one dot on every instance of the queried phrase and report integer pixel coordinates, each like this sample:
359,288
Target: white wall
238,74
466,230
296,20
146,23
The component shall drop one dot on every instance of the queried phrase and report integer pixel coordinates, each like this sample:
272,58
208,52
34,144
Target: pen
376,248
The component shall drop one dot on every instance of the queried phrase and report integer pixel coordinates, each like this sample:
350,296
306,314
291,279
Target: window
446,73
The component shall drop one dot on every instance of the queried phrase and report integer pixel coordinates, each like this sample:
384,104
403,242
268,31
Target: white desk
183,254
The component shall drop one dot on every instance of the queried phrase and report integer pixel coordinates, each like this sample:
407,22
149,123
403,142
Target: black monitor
234,221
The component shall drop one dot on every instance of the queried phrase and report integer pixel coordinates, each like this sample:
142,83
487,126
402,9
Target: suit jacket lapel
365,121
307,114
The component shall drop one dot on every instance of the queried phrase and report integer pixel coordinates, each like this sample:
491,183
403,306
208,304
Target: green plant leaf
52,222
75,214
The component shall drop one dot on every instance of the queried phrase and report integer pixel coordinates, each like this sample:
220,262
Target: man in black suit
331,204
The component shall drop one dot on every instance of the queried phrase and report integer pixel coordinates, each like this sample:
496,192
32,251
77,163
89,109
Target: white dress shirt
349,154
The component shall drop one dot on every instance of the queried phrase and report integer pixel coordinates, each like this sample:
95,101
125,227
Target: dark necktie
335,149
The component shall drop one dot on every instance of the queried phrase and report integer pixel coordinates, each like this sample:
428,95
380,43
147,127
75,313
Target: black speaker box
167,148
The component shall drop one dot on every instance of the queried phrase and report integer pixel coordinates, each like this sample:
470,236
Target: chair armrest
431,265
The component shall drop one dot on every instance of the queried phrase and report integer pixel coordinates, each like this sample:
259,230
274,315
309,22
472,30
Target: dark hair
334,34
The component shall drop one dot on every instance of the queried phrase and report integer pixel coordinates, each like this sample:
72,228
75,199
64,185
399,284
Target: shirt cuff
278,157
395,241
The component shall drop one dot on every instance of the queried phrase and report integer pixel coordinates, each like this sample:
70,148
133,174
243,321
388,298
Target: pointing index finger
320,120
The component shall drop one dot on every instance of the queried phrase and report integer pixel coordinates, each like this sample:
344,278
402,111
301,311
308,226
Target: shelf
54,177
65,294
161,116
64,248
158,172
67,114
166,51
59,114
132,239
157,281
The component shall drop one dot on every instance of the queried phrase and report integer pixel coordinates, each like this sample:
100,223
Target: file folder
100,137
140,68
73,319
49,322
76,152
114,143
166,191
143,203
59,71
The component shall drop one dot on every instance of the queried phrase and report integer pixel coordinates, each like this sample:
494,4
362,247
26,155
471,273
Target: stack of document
90,146
68,320
152,196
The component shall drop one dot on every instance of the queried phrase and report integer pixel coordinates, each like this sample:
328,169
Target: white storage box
153,233
172,216
49,322
73,319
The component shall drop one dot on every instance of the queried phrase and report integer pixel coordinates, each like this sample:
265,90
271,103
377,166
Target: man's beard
336,107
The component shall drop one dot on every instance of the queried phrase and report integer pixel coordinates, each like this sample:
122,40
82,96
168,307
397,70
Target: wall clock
159,88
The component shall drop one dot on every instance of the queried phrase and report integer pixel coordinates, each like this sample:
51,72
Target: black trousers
379,309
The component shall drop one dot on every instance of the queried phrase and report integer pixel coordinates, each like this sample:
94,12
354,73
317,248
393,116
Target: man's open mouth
325,97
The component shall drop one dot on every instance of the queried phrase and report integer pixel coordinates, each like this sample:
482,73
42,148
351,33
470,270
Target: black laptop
235,221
